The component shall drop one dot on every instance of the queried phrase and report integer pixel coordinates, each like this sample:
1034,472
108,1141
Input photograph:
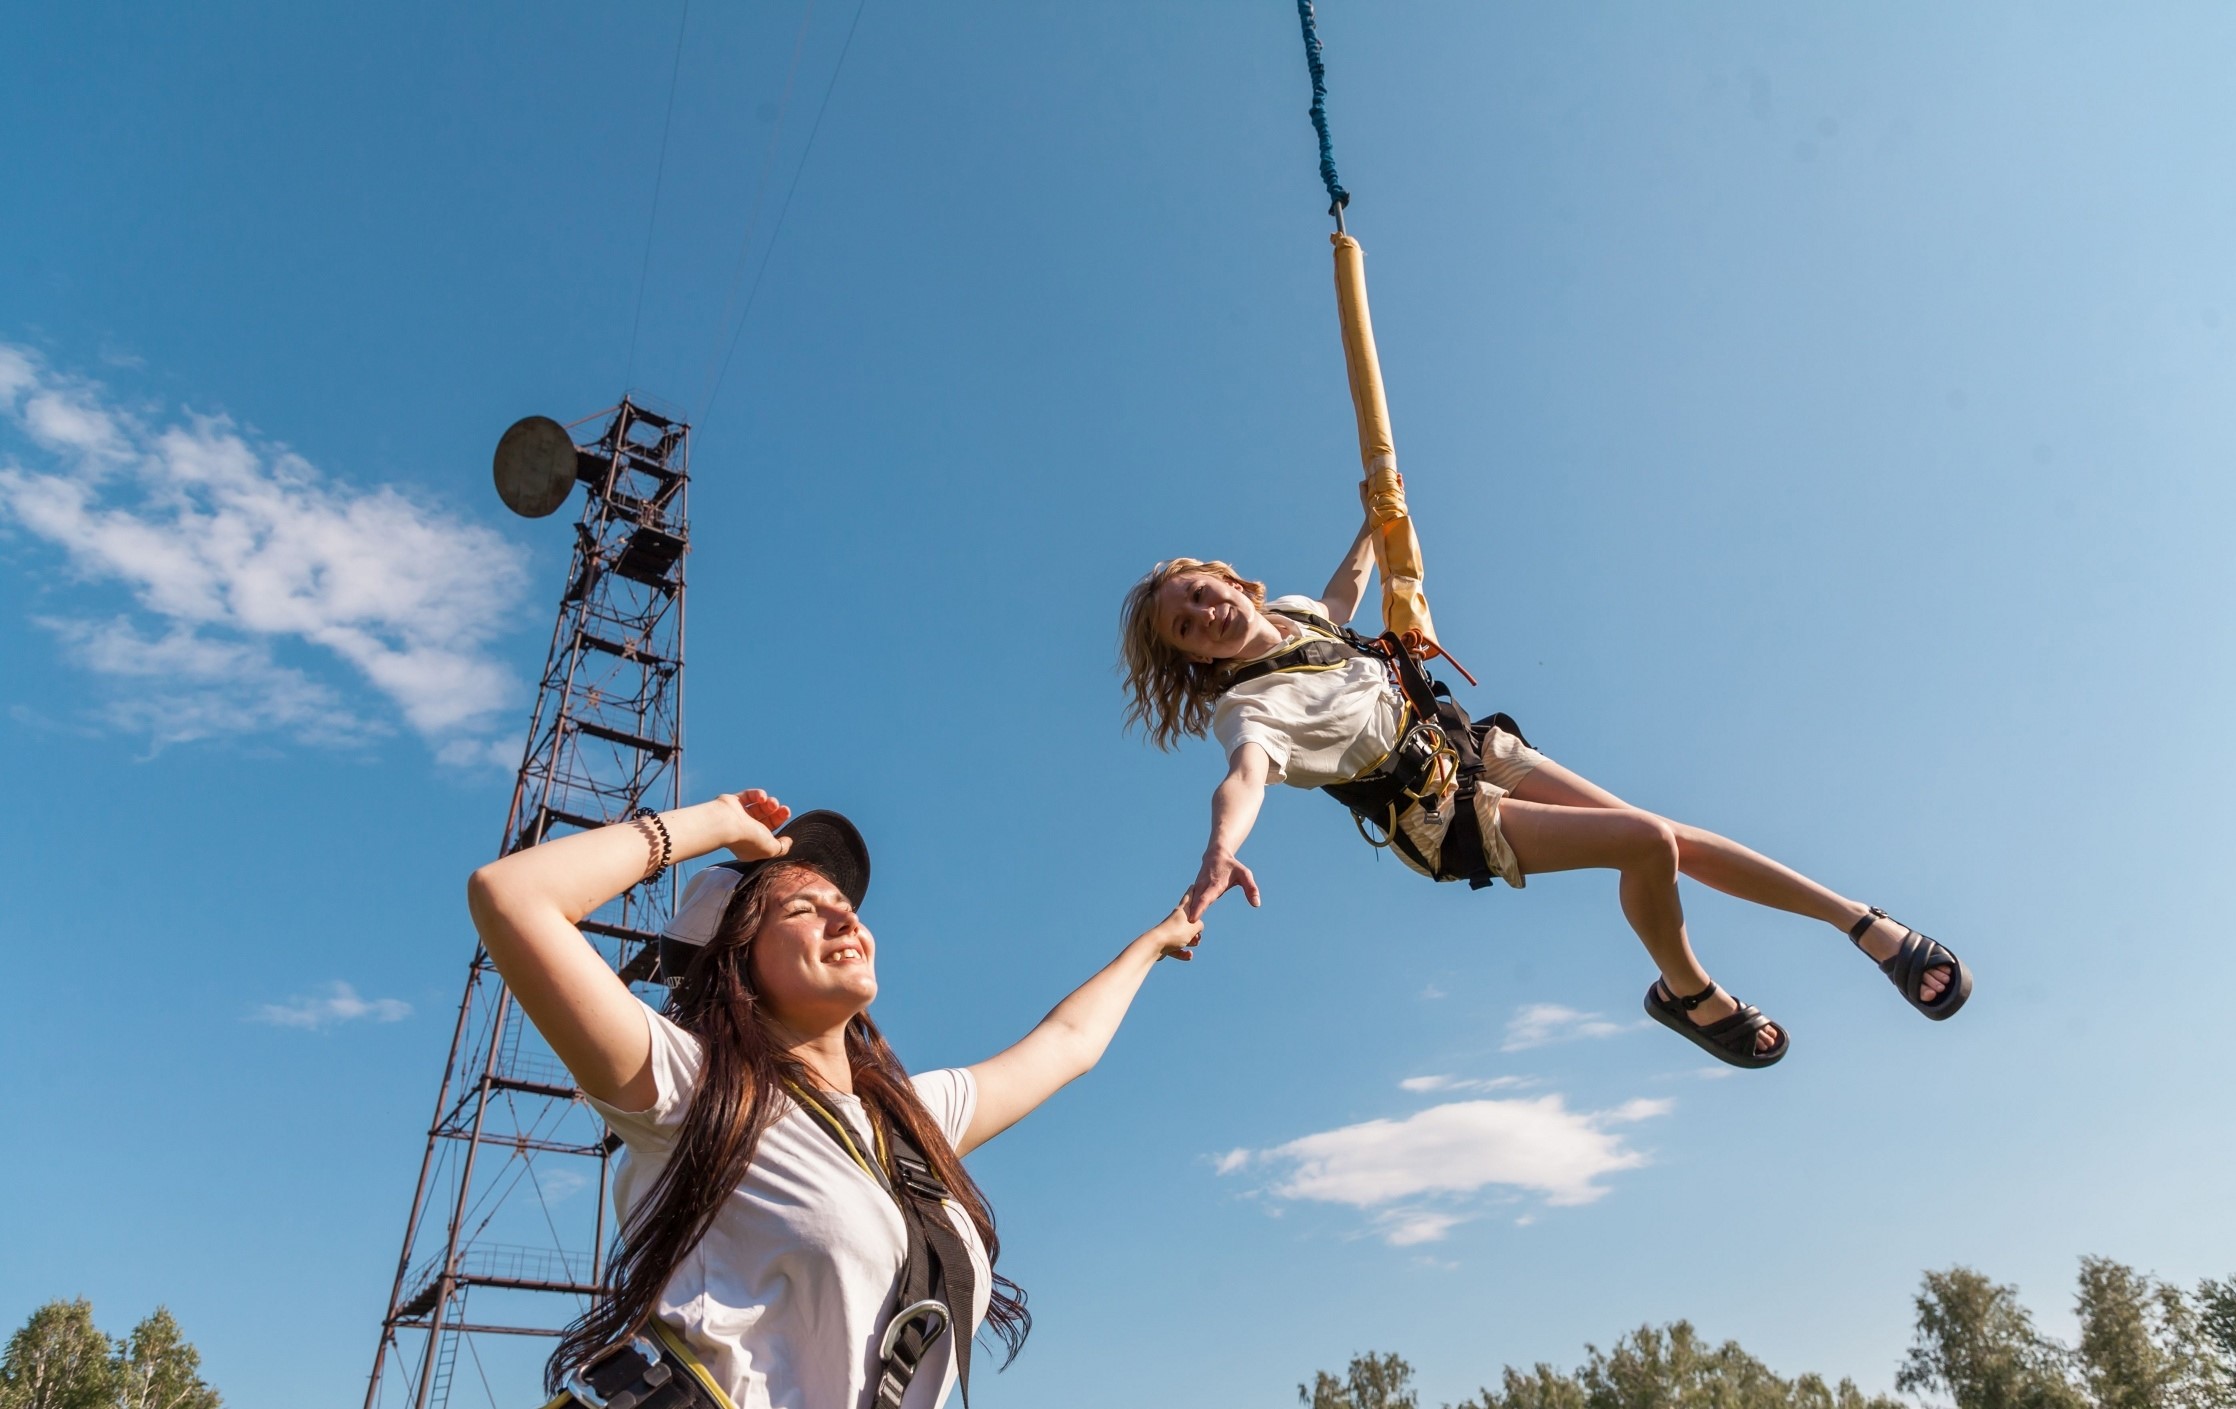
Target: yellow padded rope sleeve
1397,549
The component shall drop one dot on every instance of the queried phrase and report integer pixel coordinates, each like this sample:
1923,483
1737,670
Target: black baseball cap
822,839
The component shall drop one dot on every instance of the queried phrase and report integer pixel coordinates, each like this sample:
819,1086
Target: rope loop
1338,198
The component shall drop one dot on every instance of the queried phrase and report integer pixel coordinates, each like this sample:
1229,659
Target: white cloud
235,552
1418,1176
557,1183
1458,1083
338,1004
1405,1228
1229,1162
1699,1074
1541,1024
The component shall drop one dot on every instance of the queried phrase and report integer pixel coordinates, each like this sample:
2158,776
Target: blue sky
1819,423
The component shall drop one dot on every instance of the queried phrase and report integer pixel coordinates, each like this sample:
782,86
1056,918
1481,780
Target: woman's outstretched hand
1218,875
759,815
1175,936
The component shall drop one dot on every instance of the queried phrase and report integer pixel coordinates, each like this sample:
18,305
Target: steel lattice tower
501,1240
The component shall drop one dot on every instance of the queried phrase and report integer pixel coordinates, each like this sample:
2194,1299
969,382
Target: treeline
2143,1344
61,1360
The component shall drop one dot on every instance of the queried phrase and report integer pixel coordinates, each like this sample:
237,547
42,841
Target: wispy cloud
1699,1074
264,595
1426,1174
1463,1083
338,1004
1542,1024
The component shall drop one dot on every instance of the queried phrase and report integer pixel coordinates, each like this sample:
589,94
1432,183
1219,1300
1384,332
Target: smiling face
813,963
1203,617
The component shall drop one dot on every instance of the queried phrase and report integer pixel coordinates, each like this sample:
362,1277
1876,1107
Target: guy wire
659,179
784,209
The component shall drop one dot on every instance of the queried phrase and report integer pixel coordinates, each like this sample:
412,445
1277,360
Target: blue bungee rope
1338,198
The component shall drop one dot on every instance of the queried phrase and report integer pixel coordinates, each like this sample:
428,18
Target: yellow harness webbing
845,1133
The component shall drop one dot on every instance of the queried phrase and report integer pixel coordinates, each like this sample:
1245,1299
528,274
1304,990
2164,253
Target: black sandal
1918,956
1729,1039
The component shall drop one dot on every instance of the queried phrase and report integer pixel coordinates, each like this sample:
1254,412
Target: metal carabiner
906,1314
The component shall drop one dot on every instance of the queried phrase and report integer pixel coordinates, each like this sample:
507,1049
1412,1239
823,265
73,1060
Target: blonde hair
1168,694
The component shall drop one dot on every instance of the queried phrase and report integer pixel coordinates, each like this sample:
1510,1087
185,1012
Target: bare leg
1642,849
1723,864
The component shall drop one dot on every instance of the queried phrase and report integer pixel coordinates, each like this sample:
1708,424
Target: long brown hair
738,1097
1169,695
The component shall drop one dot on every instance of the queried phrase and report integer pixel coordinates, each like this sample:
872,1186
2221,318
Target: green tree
1372,1382
58,1360
157,1369
2141,1346
1540,1387
2216,1340
1975,1343
1669,1368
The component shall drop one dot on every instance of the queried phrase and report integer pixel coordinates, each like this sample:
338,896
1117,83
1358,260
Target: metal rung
661,751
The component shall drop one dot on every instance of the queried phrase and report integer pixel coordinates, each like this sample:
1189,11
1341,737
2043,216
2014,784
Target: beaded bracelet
658,849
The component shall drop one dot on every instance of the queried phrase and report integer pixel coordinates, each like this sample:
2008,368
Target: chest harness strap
936,1274
1437,760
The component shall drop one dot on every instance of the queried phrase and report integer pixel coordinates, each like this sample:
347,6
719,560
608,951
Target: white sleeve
951,1095
676,1064
1242,717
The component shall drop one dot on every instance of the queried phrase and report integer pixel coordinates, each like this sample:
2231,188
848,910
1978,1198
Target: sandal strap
1687,1004
1918,956
1724,1031
1860,928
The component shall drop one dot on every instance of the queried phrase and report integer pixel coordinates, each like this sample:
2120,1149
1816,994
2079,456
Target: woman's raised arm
1348,586
1068,1042
526,908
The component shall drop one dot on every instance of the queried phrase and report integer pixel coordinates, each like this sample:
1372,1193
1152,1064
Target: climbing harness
1397,548
1436,763
936,1274
656,1370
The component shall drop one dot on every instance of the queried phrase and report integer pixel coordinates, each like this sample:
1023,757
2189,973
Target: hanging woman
1293,697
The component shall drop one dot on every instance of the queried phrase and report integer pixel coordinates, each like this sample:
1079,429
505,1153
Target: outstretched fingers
1218,876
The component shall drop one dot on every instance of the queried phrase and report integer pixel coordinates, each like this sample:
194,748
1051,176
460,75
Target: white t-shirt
786,1296
1317,726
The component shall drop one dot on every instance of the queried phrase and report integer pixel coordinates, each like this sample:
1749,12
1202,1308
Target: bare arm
1348,587
526,908
1067,1043
1234,810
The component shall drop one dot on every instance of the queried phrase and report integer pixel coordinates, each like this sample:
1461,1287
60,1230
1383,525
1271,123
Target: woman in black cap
796,1224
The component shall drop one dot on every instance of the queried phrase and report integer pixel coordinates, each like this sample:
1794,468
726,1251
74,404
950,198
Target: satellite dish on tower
535,466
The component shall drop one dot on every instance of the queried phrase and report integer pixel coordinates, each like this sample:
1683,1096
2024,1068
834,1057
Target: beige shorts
1506,762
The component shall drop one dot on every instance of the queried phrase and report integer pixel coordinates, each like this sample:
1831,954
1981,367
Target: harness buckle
929,1307
578,1383
920,1178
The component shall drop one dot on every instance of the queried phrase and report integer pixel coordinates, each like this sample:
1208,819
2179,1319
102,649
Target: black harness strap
1410,776
937,1277
1312,653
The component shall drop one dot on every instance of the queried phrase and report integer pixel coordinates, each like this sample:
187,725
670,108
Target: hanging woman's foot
1927,972
1718,1024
